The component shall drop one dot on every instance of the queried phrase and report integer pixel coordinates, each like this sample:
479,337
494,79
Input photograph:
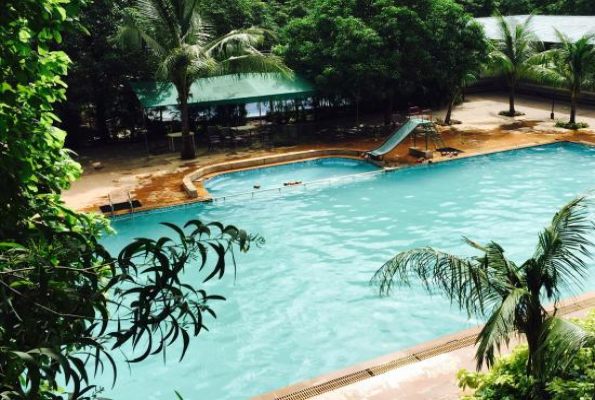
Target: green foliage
507,294
227,15
98,92
460,63
383,50
570,65
66,303
508,379
479,8
485,8
514,55
573,126
506,113
34,165
182,42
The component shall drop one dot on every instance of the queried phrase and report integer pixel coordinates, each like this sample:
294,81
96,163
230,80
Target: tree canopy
382,50
66,301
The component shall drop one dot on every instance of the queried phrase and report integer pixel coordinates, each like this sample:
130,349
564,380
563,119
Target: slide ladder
429,130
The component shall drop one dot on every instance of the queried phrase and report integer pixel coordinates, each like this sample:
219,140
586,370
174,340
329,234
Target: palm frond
510,53
560,341
564,246
163,13
132,32
463,281
236,39
255,62
499,326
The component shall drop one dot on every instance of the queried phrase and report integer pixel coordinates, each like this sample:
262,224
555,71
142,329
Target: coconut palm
514,55
508,295
571,65
185,50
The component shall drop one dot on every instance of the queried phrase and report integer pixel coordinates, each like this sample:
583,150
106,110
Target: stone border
189,179
412,355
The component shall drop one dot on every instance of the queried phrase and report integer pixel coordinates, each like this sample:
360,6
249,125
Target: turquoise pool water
276,176
302,306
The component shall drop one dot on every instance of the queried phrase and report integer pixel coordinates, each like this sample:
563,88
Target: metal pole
146,132
553,104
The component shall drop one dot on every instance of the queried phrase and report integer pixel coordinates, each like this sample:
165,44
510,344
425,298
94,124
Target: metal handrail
111,203
303,184
130,203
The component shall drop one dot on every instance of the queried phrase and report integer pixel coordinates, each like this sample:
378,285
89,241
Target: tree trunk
511,109
188,151
533,329
451,104
573,96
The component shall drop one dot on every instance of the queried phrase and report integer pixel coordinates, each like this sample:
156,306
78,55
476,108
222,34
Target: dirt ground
156,180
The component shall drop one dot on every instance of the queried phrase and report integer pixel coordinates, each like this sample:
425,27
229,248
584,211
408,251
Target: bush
506,113
507,380
568,125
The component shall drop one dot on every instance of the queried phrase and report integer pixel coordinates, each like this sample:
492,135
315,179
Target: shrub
508,379
506,113
568,125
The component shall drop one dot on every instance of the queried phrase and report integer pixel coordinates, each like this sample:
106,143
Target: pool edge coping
210,171
362,371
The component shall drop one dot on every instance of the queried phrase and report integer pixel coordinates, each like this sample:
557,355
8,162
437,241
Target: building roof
544,26
228,89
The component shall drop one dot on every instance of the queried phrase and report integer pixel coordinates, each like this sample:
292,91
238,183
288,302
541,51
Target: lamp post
552,113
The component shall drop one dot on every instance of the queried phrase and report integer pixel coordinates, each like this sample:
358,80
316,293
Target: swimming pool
302,306
261,179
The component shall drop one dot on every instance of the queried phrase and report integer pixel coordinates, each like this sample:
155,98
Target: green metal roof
228,89
544,26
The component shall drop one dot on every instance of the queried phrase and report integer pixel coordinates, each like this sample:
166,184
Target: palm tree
571,65
185,50
514,55
491,286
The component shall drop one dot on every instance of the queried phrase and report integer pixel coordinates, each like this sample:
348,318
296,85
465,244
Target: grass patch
506,113
568,125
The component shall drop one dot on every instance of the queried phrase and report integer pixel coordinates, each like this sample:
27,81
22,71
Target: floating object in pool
256,186
292,183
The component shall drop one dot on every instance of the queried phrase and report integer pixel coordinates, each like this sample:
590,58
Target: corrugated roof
228,89
544,26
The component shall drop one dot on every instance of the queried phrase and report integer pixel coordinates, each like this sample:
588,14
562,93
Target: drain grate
328,386
421,355
379,369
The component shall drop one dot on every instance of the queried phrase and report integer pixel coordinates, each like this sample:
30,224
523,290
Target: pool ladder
130,203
